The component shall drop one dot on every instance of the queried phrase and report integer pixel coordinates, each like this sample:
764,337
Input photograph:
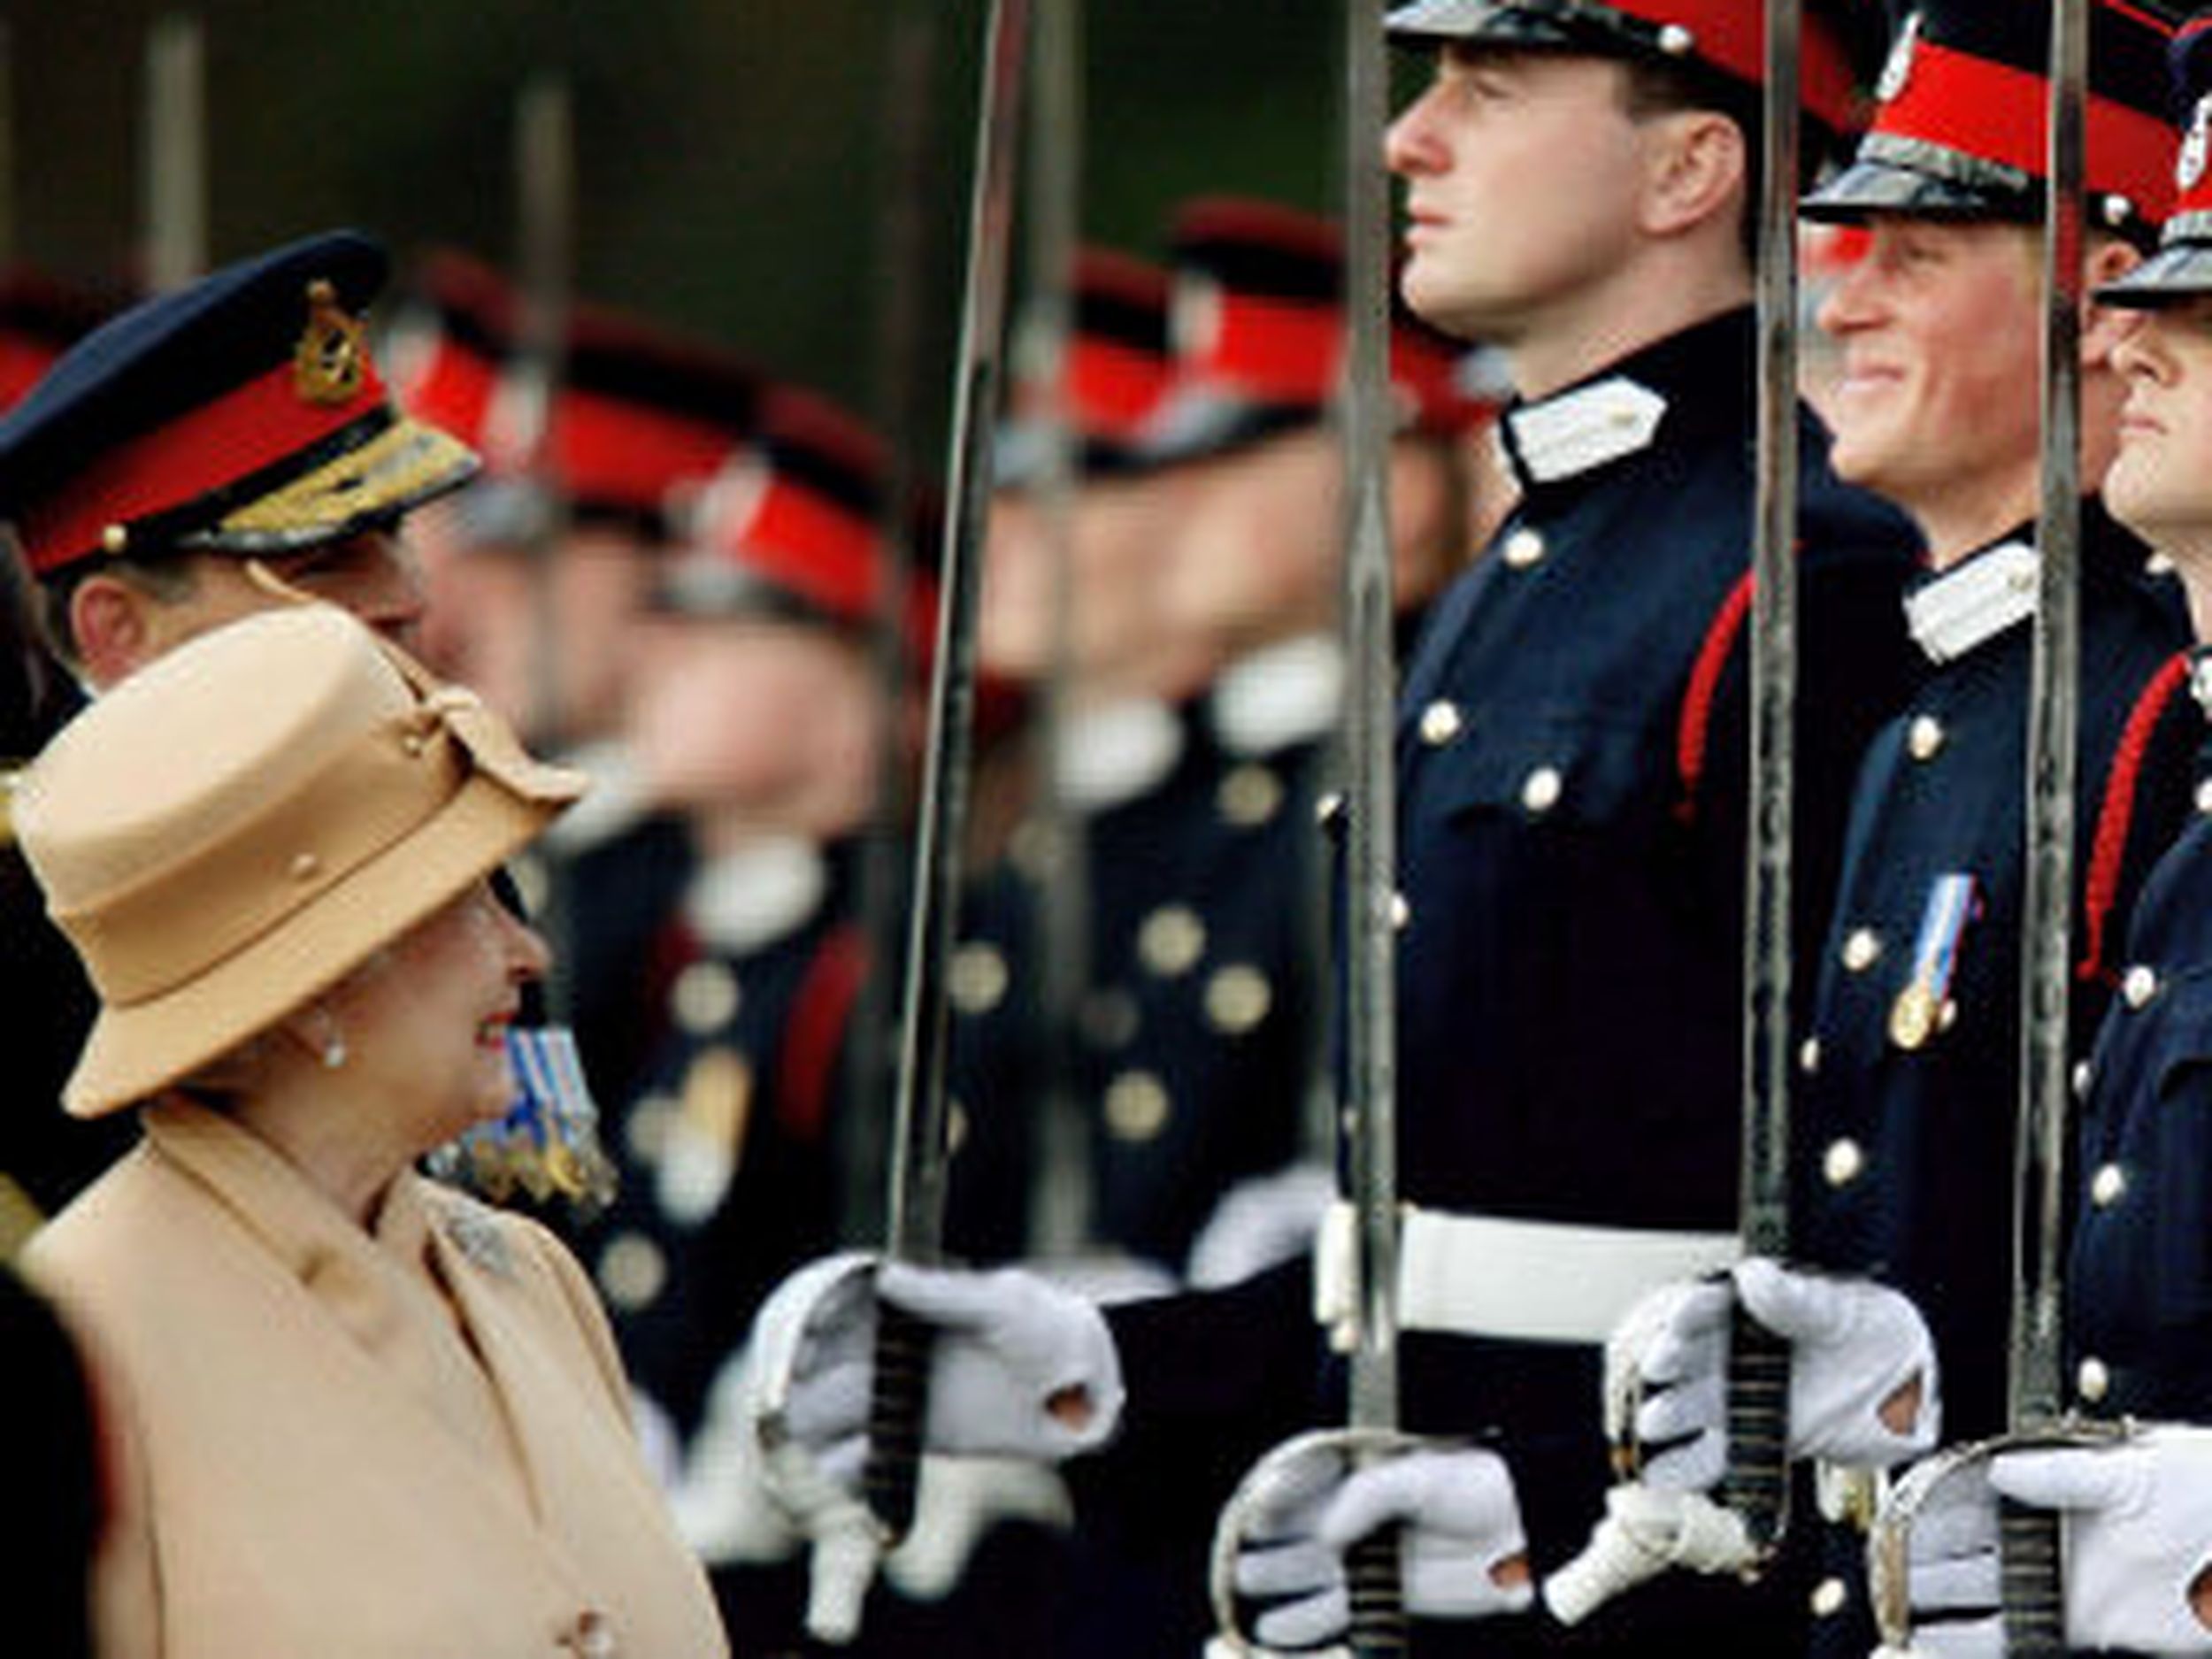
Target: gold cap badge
332,356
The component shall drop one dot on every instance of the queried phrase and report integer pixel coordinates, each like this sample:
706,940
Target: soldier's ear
2104,327
110,623
1696,170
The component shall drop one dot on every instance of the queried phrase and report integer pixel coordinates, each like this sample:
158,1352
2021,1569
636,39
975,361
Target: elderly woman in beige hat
353,1413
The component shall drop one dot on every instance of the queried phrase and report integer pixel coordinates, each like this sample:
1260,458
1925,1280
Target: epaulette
2117,817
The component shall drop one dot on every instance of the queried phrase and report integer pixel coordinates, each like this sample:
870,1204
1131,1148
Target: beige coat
331,1446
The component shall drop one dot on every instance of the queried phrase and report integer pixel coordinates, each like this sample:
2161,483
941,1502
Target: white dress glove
1952,1572
1261,1223
1305,1503
2138,1534
1019,1369
1853,1344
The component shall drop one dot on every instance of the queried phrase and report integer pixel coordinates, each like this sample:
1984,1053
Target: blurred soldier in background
1909,1074
753,717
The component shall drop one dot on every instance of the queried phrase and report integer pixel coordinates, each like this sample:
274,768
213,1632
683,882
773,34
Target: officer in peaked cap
162,470
2139,1516
1909,1071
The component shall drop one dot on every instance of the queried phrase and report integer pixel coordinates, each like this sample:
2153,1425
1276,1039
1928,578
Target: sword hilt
898,1405
2029,1581
1755,1485
1378,1596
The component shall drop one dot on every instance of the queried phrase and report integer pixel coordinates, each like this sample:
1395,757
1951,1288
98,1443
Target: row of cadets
1572,829
161,471
538,578
2137,1511
1907,1075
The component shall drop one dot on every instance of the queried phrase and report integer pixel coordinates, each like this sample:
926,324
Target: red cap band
258,424
1993,111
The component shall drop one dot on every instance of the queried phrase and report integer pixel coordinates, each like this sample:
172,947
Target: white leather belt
1525,1281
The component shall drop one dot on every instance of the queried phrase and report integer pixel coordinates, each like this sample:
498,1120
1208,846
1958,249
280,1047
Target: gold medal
1912,1017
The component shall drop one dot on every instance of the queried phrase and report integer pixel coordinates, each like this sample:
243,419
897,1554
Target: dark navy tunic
1905,1126
2139,1293
1194,1045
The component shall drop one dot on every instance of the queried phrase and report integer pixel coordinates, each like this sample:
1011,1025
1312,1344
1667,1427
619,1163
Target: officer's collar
743,901
1281,694
1953,611
1959,608
1117,751
1619,411
615,803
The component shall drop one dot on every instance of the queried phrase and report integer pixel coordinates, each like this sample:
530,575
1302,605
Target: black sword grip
2028,1574
1378,1596
1755,1485
897,1408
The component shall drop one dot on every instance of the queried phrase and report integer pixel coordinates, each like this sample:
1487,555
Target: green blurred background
731,154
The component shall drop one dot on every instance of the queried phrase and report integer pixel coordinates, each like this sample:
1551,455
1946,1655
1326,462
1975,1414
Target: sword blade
915,1227
1377,1611
1755,1483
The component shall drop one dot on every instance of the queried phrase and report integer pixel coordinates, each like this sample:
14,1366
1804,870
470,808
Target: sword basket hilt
1755,1485
2029,1582
1378,1596
897,1409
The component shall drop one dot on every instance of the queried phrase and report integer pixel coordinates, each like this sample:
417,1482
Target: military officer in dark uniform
2139,1293
1569,758
1909,1071
146,486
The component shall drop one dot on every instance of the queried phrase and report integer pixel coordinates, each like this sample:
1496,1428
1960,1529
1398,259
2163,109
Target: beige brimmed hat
237,825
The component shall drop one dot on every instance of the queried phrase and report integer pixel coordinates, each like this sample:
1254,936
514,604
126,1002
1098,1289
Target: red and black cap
1959,126
1117,371
791,524
1258,328
241,414
2181,268
448,337
1724,39
637,410
42,317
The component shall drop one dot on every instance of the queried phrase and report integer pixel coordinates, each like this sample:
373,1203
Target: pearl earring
334,1043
